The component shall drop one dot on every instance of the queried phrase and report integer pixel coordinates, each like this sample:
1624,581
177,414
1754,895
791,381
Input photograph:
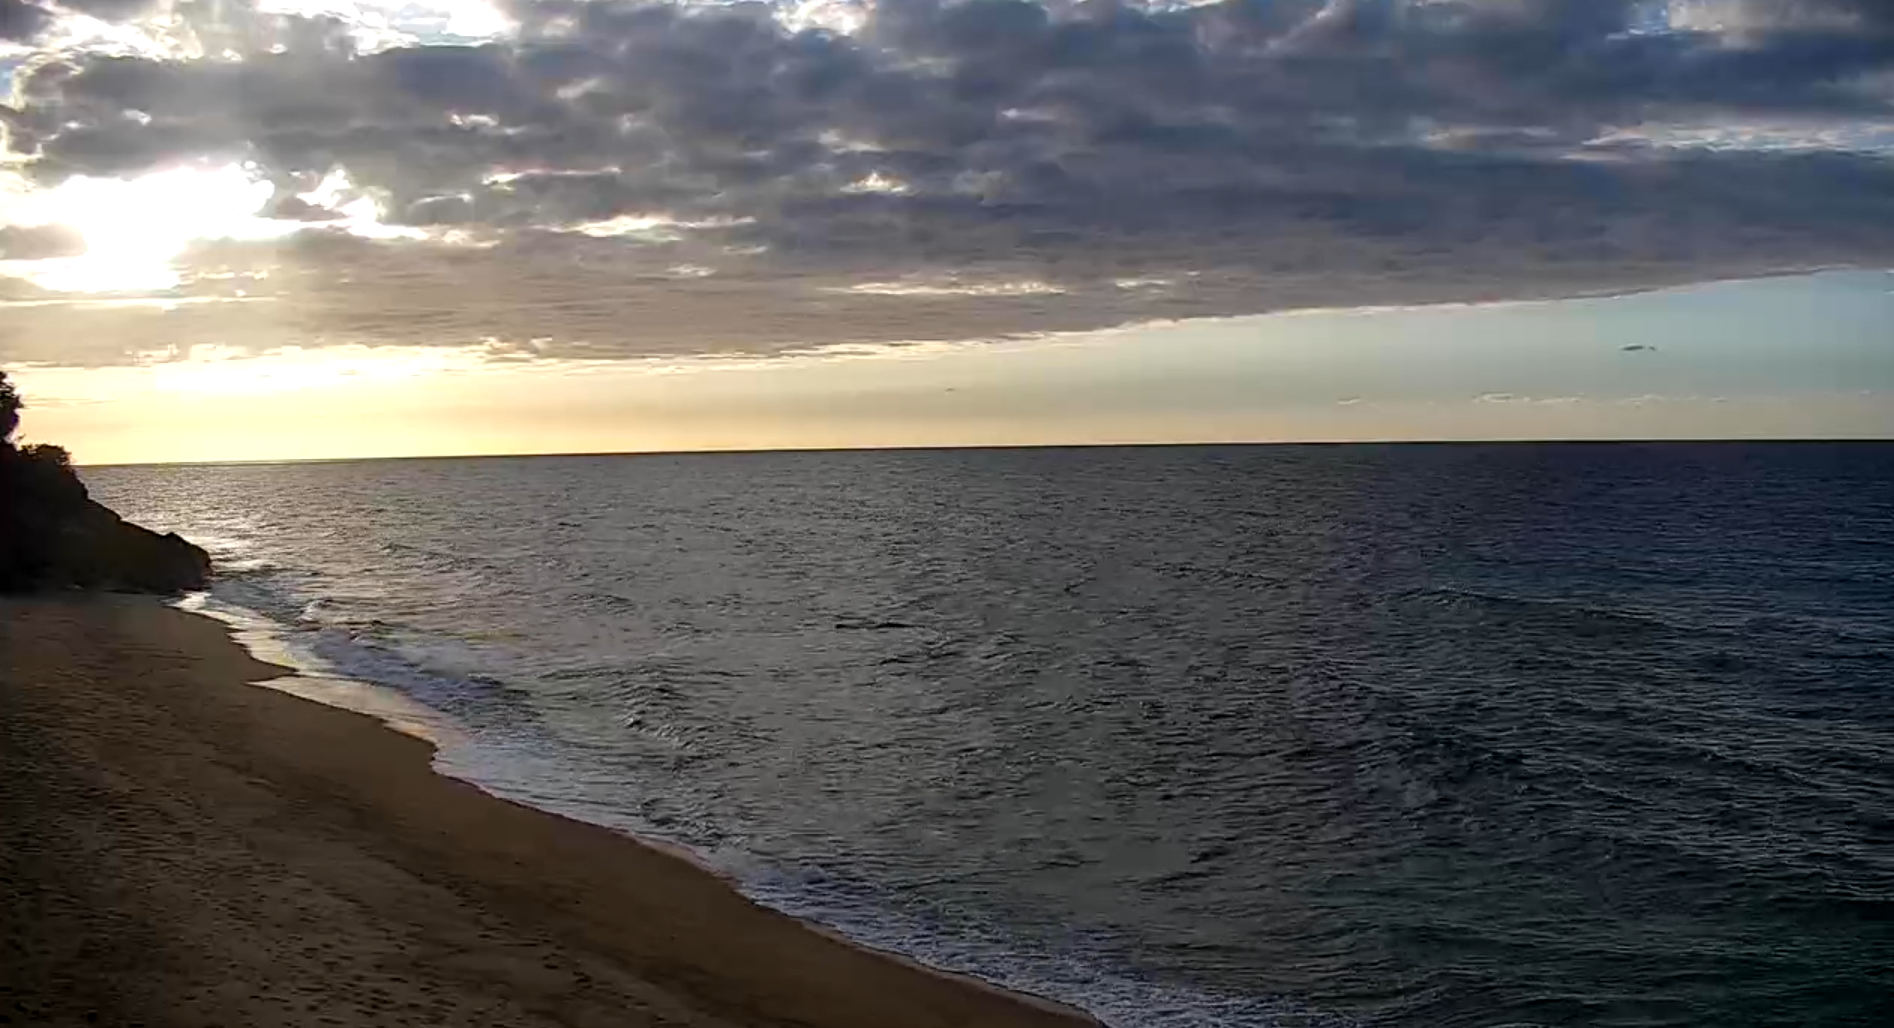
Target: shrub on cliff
54,536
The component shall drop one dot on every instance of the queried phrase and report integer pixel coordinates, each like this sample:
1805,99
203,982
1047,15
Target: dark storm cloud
1232,157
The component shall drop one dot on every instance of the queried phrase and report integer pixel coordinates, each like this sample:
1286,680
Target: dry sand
180,848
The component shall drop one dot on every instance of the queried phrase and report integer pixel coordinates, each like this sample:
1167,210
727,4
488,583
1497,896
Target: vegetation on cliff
54,536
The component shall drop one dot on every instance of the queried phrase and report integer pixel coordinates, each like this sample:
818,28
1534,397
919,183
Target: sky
278,229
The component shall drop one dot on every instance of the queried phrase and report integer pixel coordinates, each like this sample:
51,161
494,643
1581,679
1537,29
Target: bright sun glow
135,229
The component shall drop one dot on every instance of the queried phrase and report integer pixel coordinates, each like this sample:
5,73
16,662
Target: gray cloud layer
1226,158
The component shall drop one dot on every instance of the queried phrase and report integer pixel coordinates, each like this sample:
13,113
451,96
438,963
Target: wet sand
178,847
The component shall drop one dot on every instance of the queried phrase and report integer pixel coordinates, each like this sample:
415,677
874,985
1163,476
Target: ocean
1429,735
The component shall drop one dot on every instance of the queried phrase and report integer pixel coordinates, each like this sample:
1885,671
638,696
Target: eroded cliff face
53,536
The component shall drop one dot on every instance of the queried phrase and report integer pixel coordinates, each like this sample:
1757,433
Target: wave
1116,999
604,602
483,736
1870,639
1571,615
437,560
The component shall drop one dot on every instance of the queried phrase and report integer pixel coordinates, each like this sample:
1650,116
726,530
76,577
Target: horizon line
979,447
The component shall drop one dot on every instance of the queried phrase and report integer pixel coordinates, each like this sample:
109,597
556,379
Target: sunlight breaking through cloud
135,229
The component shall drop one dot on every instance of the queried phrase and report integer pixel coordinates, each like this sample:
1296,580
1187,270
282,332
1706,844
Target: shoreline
199,851
266,640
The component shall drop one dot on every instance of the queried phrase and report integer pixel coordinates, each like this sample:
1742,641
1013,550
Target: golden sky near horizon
1733,360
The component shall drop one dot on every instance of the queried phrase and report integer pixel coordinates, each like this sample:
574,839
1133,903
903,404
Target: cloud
1248,154
1539,401
21,21
38,242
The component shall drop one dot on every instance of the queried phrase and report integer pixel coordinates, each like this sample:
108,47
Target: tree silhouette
10,405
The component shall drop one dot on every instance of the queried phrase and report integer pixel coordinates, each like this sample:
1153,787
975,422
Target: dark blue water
1405,735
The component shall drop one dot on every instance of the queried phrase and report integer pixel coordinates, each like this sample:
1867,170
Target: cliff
54,536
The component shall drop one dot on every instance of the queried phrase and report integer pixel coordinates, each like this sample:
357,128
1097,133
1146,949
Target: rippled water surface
1417,735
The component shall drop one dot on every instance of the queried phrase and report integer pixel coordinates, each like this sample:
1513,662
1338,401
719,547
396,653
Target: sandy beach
178,847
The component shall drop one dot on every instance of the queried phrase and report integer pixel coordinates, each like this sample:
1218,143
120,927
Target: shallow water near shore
1415,735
